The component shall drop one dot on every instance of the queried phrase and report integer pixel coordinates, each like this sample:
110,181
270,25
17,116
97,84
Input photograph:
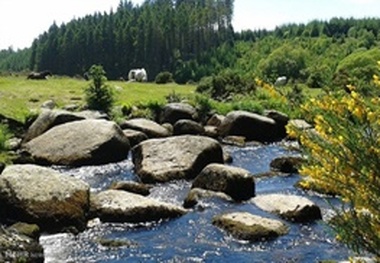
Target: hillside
194,39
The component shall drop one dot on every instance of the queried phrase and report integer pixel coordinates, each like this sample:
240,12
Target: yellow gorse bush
343,157
270,89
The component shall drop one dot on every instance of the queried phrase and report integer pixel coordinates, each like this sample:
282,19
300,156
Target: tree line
319,54
14,61
158,35
195,38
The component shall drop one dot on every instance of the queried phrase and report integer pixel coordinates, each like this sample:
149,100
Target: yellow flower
371,116
319,118
291,131
354,94
351,87
358,112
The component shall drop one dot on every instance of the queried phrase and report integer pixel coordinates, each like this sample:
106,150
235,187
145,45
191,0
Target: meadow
19,96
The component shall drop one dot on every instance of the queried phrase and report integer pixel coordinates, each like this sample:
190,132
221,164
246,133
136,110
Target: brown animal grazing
39,75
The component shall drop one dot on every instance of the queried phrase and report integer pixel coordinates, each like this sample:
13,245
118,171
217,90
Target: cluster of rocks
177,148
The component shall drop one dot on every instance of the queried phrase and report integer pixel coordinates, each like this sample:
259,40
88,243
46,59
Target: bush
155,109
358,68
225,85
319,76
205,85
204,107
286,60
173,97
343,158
98,95
4,136
164,77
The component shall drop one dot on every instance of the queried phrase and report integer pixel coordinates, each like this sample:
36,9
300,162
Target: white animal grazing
137,75
280,81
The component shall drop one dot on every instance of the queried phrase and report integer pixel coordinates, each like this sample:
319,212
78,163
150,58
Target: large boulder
177,157
121,206
233,181
85,142
252,126
15,247
47,119
149,127
188,127
281,120
43,196
135,137
246,226
174,112
289,207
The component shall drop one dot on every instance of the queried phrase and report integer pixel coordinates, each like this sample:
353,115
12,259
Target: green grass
20,96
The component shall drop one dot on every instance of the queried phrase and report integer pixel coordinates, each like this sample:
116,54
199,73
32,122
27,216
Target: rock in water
290,207
85,142
121,206
246,226
173,158
233,181
43,196
252,126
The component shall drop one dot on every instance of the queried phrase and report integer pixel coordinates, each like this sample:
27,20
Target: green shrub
357,68
155,109
173,97
98,95
150,110
318,76
141,113
203,106
4,136
164,77
250,104
295,97
225,85
205,86
287,60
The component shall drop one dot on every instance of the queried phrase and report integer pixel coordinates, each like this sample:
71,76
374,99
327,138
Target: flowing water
192,237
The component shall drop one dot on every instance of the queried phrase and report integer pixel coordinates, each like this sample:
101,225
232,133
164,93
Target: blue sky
23,20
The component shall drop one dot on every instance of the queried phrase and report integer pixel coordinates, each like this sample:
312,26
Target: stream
192,237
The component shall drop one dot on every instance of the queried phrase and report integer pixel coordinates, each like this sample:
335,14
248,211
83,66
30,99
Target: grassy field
19,96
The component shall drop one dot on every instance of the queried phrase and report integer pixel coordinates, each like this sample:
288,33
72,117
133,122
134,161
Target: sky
21,21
